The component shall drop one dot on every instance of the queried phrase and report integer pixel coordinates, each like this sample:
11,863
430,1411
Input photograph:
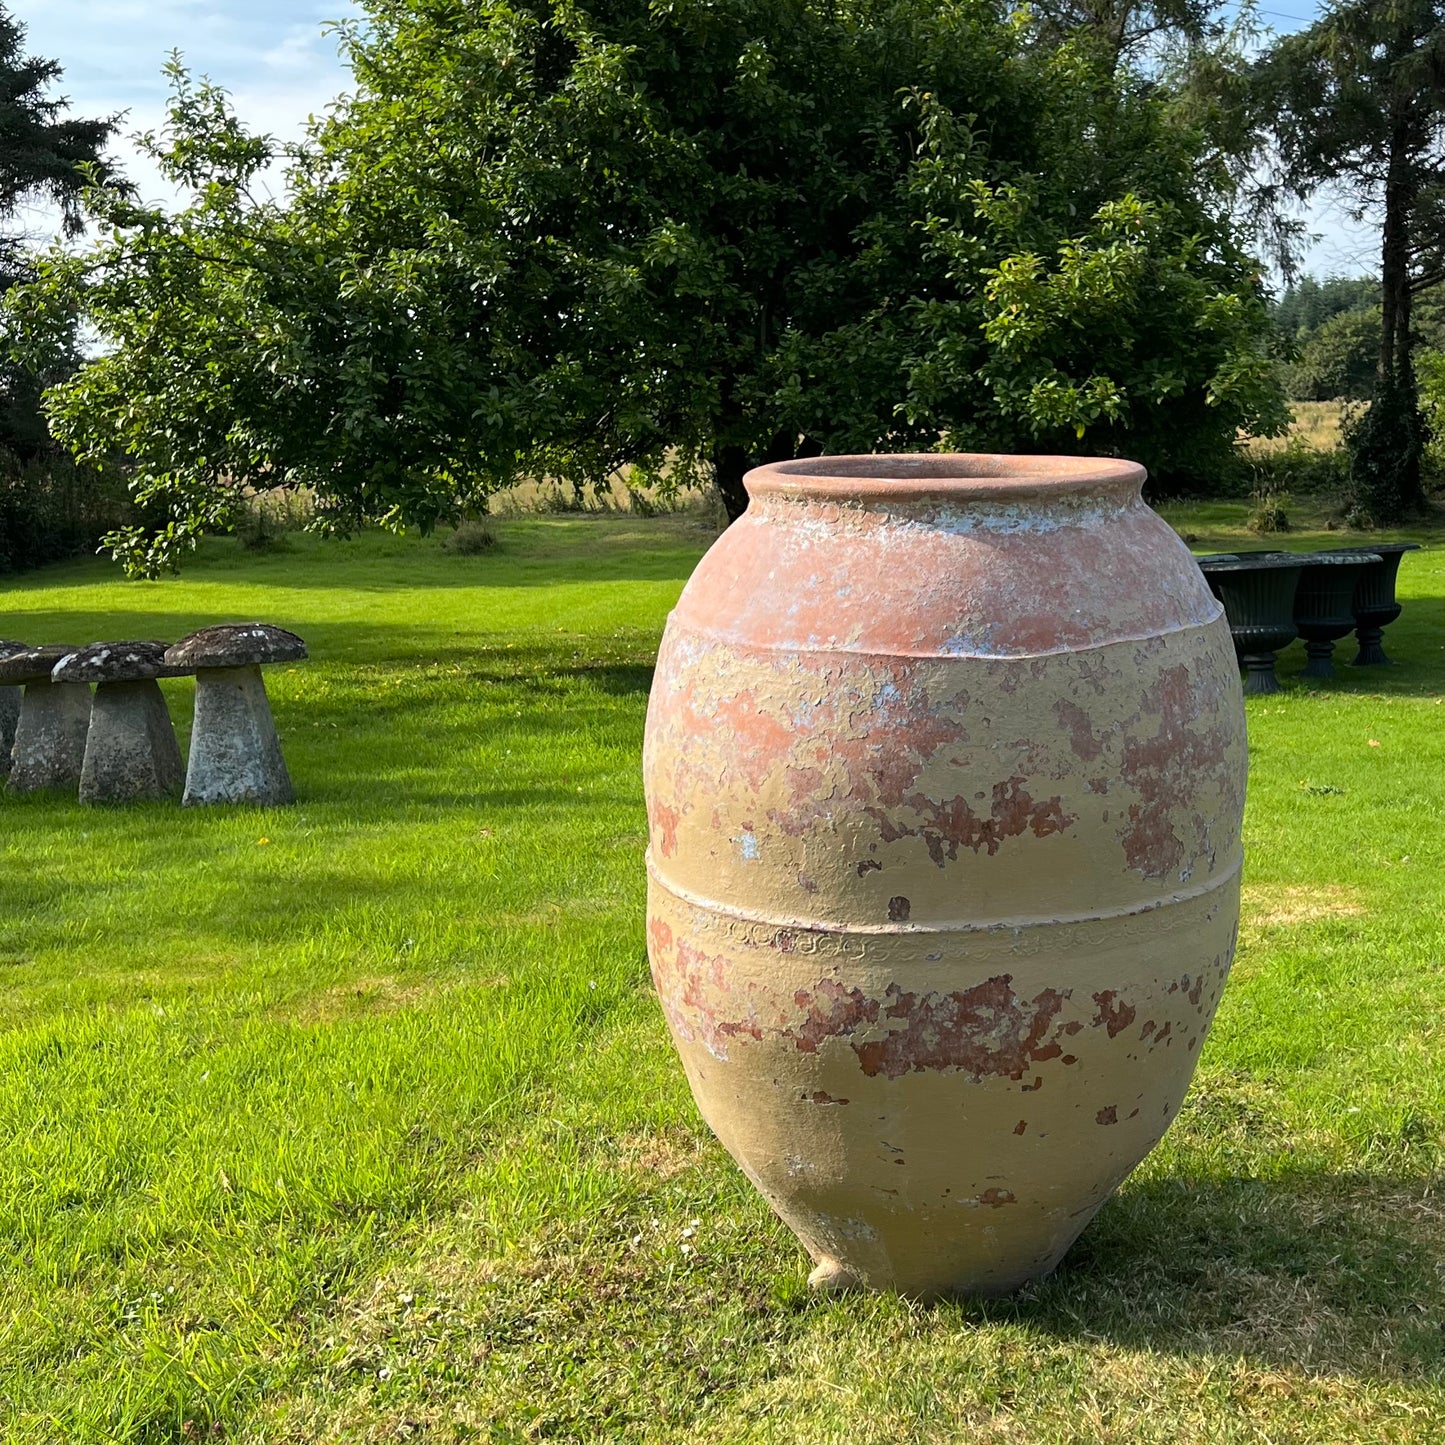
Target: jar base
830,1277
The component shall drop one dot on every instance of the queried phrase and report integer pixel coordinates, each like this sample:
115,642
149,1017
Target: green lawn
356,1121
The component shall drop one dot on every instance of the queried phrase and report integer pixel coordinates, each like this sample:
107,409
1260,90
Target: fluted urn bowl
944,767
1374,604
1257,590
1323,604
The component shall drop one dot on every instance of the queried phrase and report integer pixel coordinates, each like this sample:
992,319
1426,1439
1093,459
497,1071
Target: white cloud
299,50
272,55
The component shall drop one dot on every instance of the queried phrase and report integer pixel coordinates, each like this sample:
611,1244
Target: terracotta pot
945,765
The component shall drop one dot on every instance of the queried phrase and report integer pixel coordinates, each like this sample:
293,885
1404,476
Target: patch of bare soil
1274,905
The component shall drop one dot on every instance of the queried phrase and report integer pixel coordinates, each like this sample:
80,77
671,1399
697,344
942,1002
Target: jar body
945,782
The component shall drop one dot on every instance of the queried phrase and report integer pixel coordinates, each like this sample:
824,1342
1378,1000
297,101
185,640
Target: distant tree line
1330,335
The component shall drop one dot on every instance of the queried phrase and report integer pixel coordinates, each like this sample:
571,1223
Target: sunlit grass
356,1121
1316,424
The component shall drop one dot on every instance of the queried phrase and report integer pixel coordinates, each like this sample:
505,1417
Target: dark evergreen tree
1307,304
1357,101
44,154
1125,32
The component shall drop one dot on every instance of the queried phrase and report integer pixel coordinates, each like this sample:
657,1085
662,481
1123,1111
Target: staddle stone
130,750
9,710
49,748
237,644
235,753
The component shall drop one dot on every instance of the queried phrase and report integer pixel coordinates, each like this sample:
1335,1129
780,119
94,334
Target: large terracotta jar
945,766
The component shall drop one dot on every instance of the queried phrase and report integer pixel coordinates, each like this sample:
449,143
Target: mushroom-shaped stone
235,753
49,747
130,750
9,710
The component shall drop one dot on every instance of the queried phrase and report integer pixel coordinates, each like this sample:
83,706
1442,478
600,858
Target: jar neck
1027,514
962,492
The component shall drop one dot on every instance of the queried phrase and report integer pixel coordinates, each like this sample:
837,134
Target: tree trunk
1387,448
1395,257
730,464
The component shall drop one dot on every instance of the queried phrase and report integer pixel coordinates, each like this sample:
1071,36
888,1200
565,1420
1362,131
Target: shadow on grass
406,642
1327,1274
1415,644
532,552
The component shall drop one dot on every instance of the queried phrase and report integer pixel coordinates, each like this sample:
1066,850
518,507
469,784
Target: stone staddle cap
242,644
116,662
31,664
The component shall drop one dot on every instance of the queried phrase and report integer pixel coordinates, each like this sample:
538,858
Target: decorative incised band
962,653
963,925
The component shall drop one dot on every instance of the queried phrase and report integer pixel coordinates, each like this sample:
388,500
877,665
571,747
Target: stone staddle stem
9,716
50,736
131,750
235,753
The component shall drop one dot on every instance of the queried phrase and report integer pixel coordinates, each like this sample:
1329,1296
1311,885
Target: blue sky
273,57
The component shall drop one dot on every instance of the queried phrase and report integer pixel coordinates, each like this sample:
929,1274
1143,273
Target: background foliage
555,239
1330,331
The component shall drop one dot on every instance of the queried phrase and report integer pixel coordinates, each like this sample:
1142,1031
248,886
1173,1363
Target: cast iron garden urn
1257,590
1323,604
1374,601
945,766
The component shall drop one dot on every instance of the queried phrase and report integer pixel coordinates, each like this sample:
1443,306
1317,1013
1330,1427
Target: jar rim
946,476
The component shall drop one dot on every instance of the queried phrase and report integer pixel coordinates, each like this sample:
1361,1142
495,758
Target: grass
356,1121
1316,424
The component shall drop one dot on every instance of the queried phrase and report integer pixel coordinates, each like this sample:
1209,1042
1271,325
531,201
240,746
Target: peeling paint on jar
945,770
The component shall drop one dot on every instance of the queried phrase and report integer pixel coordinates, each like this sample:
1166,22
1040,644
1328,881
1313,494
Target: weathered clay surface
945,780
50,736
130,750
235,753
